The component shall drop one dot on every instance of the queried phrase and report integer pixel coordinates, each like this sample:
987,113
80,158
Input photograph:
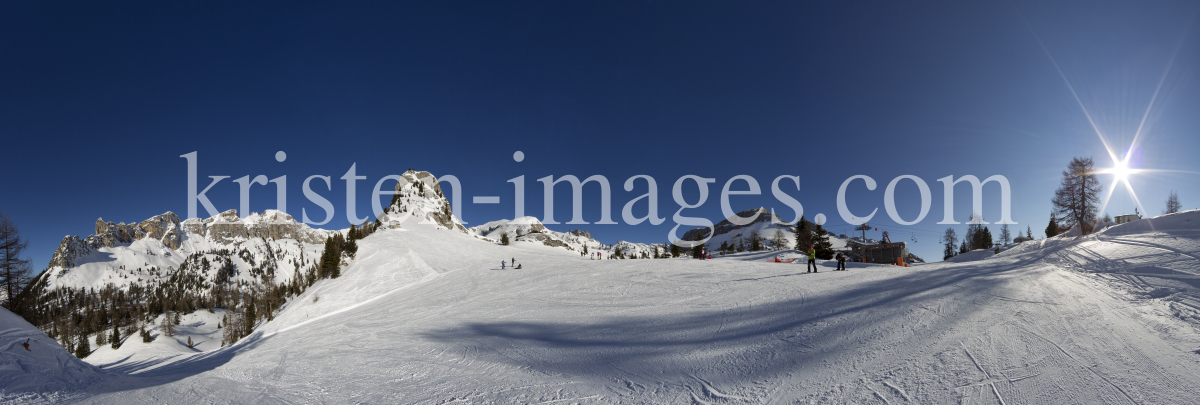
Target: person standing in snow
812,260
841,264
502,263
514,262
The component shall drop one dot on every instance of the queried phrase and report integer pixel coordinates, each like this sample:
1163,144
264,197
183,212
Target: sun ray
1078,101
1170,63
1133,194
1108,196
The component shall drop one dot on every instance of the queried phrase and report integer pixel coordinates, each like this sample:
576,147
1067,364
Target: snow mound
974,255
1179,221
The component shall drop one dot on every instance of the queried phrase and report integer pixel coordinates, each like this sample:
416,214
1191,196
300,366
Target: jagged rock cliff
70,249
163,227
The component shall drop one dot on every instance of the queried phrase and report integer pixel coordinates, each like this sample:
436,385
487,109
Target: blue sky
97,103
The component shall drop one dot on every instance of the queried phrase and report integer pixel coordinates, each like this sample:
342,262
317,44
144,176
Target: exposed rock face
277,225
420,194
68,250
163,227
579,233
724,227
545,238
228,227
225,227
110,234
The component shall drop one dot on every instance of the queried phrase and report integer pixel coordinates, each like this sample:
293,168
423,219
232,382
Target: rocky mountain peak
420,195
725,226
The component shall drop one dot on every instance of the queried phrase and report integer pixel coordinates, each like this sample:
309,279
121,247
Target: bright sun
1121,171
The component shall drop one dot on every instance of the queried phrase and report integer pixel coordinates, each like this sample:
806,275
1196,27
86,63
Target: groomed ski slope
427,316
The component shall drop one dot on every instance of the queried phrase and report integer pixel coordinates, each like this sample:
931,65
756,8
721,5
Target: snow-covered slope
131,272
44,372
427,316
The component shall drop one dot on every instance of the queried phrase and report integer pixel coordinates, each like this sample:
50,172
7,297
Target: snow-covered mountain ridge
530,230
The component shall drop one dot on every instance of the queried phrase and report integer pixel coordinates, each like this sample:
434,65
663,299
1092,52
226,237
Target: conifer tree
189,343
675,252
1028,232
1052,227
116,337
805,236
950,238
822,246
251,317
83,349
504,239
14,270
351,248
1078,194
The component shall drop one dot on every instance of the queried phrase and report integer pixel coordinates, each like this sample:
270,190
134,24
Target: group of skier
812,261
513,264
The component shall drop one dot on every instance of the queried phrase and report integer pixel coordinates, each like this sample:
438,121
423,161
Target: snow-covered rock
418,200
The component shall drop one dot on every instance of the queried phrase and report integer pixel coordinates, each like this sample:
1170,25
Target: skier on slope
812,260
502,263
841,261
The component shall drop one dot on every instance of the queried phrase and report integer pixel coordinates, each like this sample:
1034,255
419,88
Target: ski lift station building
883,253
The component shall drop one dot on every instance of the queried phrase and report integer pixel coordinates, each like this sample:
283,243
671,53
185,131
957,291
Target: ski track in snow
427,316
